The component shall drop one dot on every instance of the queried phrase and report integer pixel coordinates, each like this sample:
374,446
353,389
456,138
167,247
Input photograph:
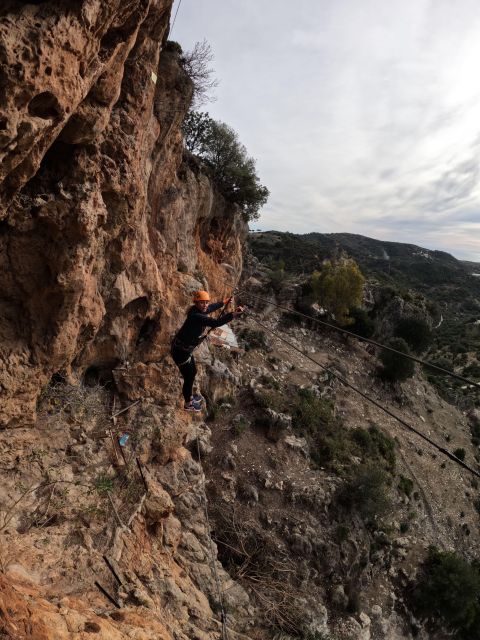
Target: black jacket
190,333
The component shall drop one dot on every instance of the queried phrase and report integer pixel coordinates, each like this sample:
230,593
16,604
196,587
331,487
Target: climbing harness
370,399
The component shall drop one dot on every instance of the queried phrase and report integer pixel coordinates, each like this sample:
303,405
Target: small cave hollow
100,375
59,377
45,105
147,330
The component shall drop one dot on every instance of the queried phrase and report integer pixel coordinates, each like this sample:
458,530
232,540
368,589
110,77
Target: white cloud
363,116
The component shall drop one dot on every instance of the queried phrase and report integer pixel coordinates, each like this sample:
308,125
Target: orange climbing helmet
201,296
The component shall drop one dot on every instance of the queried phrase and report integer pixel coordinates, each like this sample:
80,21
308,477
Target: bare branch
197,65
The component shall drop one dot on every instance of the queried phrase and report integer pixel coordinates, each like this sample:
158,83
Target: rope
376,344
372,400
223,613
174,18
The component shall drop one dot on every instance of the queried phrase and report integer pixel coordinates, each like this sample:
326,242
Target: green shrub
314,419
104,484
270,399
172,45
276,279
396,367
473,370
341,533
269,381
449,591
367,492
311,413
375,446
338,287
416,333
405,485
363,326
460,453
253,338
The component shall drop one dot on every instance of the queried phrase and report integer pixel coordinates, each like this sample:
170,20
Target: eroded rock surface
106,226
98,209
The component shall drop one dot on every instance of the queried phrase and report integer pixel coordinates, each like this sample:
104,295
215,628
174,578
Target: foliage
196,64
405,485
367,492
311,413
375,446
253,338
363,325
233,171
449,591
332,445
395,366
460,453
104,484
270,399
473,370
276,279
416,333
196,129
269,381
338,287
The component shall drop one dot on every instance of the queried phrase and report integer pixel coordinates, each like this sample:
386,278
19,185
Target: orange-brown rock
102,220
106,227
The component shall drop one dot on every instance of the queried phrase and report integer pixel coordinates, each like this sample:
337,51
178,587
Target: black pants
187,369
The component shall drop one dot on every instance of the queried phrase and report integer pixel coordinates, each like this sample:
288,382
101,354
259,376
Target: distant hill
435,273
447,283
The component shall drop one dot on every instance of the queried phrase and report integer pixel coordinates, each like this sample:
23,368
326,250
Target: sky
363,115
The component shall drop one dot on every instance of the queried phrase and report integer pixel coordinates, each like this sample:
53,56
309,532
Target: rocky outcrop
106,226
102,219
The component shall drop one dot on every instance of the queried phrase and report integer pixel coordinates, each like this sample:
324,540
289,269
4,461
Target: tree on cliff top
233,171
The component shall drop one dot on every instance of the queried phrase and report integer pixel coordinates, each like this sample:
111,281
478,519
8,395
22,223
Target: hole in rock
147,330
3,124
45,105
99,375
58,378
48,71
138,306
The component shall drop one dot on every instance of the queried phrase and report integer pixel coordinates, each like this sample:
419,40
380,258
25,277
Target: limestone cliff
106,227
98,210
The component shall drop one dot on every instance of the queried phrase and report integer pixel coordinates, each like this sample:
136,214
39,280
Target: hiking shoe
192,406
197,398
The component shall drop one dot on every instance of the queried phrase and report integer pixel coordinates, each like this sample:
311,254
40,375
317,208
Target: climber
189,336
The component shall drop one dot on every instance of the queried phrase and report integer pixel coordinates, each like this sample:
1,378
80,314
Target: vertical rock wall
101,218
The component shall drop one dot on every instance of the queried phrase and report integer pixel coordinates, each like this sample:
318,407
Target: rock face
101,218
106,227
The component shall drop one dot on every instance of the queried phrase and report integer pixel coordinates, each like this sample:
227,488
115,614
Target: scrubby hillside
441,288
324,506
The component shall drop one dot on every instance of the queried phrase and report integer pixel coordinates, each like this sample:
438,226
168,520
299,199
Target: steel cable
372,400
373,342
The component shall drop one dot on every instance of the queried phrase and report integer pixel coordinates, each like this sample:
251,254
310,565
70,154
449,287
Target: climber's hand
238,311
227,301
